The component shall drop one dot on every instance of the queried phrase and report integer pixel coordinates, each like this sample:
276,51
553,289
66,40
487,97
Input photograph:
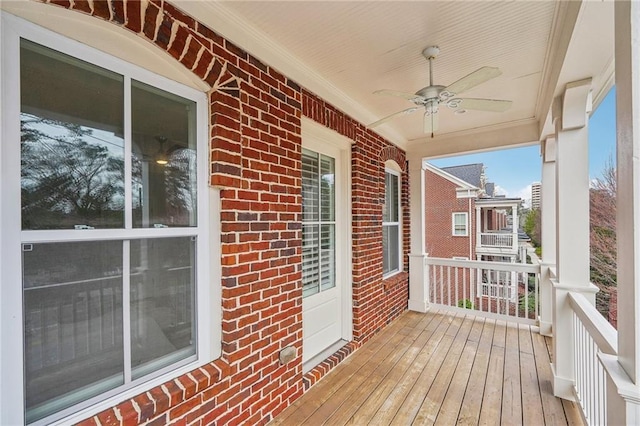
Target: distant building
464,217
465,220
535,195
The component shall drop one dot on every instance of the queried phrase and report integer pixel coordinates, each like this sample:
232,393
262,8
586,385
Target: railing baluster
464,287
449,285
457,284
491,287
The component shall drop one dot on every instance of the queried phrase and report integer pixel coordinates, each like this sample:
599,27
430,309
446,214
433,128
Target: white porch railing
490,288
592,335
497,239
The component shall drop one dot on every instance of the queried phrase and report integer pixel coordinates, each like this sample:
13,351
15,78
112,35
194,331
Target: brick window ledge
393,281
163,403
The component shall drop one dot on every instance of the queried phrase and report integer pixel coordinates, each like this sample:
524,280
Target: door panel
321,256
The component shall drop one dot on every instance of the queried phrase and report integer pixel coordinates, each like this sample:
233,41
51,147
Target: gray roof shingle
471,173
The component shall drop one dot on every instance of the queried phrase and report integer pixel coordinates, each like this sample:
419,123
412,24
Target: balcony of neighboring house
497,227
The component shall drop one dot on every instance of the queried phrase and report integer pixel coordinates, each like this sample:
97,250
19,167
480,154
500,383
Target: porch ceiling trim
564,23
520,133
263,47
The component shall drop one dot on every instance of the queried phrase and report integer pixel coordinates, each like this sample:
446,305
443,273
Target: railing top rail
496,266
603,333
497,232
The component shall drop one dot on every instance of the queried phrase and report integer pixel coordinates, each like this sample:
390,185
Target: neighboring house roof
462,184
471,173
464,190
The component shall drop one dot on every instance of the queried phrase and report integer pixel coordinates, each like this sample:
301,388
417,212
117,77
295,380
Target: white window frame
391,167
208,299
466,224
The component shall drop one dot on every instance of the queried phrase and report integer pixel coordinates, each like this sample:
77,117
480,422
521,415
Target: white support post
418,277
627,60
548,234
572,231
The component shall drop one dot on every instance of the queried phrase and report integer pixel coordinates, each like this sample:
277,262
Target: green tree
532,226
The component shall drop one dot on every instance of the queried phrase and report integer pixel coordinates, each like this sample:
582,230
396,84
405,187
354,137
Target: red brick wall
440,203
256,161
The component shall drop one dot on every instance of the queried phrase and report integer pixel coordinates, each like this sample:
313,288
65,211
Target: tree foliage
602,215
65,178
532,226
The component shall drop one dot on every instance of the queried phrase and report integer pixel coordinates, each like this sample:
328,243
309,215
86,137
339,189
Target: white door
323,260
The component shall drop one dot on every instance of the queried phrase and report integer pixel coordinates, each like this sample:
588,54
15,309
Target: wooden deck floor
439,368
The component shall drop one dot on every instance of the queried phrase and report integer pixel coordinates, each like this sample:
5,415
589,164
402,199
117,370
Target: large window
391,235
459,224
318,223
111,228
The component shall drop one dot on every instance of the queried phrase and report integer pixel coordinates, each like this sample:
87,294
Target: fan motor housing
430,92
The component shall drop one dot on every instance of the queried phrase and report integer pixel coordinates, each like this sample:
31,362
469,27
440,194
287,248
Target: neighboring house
465,220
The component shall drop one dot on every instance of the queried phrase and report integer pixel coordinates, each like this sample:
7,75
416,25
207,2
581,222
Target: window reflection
72,148
72,323
164,158
162,297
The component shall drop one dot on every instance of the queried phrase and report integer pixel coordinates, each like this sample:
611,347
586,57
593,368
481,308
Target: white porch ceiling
344,51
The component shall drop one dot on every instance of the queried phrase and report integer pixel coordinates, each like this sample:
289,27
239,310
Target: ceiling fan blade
403,95
479,76
493,105
430,123
392,116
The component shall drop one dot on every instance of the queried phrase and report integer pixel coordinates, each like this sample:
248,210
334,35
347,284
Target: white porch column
572,232
418,279
627,59
548,231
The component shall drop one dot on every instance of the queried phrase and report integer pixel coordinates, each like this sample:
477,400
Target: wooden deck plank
472,401
410,406
366,412
552,410
368,375
531,400
323,390
450,408
492,397
399,360
391,405
572,413
511,390
432,403
442,367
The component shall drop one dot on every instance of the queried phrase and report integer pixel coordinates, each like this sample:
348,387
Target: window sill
391,281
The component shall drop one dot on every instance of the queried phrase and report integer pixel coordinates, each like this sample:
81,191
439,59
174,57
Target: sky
514,170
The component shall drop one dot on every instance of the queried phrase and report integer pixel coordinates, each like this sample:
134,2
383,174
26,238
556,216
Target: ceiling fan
432,96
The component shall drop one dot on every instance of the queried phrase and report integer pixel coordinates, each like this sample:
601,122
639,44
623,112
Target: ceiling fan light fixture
161,157
162,160
431,96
